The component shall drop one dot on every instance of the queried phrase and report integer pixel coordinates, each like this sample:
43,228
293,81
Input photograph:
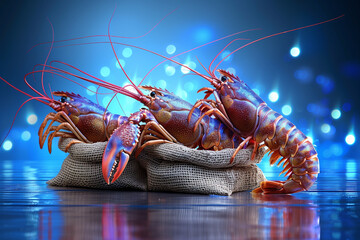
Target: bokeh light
189,86
286,110
26,135
105,71
106,100
170,70
181,93
325,128
336,114
91,90
295,52
170,49
161,84
127,52
326,83
122,62
7,145
346,107
32,119
318,109
337,149
350,139
231,70
273,96
189,64
224,54
304,75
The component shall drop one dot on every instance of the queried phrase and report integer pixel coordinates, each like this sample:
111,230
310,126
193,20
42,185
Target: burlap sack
163,167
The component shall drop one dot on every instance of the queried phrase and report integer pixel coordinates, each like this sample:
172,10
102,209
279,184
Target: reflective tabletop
32,210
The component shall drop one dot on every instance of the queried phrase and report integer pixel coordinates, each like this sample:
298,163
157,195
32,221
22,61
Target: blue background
325,76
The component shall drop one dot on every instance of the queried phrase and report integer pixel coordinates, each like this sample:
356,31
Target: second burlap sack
164,167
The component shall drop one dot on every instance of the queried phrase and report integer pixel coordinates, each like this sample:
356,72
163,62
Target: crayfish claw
118,150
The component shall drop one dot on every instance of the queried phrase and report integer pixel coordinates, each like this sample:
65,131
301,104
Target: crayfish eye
152,94
223,78
63,99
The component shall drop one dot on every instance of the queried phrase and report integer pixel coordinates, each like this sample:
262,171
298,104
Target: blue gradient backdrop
325,76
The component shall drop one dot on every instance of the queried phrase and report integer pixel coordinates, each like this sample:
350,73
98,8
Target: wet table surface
32,210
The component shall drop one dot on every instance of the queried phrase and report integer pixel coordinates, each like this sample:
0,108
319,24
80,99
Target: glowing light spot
325,128
350,139
32,119
106,100
161,83
170,49
190,64
26,135
91,90
127,52
189,86
336,114
310,139
7,146
337,149
295,52
182,93
326,83
286,110
304,75
169,70
231,70
224,54
273,96
105,71
122,62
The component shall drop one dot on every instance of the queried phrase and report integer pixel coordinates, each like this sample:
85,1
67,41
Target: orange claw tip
118,150
108,162
257,191
124,159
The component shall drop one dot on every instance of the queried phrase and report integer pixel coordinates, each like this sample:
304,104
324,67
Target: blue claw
118,150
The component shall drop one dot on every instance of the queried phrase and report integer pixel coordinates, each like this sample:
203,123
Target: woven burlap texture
163,167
